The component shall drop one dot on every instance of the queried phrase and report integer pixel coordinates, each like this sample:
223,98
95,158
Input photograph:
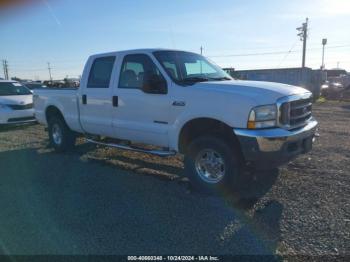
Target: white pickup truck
180,102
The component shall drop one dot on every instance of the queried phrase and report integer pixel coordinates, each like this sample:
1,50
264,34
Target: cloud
335,7
316,9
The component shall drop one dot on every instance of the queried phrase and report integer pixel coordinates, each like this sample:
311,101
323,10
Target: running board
135,149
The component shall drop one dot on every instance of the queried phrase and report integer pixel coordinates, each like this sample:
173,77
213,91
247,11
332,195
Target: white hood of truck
264,92
16,100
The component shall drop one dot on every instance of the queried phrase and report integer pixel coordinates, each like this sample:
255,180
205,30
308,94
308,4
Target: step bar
160,153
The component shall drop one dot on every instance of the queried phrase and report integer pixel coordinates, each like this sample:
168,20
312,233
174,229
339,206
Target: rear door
95,101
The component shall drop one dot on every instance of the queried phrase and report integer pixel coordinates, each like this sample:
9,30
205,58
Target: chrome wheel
56,134
210,166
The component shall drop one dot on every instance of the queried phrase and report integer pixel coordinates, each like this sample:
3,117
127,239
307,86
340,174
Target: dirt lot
104,201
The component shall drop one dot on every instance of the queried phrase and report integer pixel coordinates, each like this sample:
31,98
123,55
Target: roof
144,50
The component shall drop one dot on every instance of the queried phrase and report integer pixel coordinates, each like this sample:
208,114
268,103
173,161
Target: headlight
262,117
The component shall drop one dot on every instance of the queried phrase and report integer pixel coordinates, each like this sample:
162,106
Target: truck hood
264,92
16,100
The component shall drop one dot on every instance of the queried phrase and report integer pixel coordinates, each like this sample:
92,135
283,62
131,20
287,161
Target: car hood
16,100
264,92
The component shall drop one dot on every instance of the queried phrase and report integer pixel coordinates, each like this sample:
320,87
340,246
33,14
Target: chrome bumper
273,147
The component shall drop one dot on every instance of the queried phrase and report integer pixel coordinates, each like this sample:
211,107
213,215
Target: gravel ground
97,200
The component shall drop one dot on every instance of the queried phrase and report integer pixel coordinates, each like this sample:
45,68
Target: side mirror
154,84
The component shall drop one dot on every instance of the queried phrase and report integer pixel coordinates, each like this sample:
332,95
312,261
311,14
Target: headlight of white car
262,117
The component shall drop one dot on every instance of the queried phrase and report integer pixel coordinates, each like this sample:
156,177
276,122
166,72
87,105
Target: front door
140,117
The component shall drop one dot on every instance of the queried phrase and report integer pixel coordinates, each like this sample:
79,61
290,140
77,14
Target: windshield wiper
195,79
220,78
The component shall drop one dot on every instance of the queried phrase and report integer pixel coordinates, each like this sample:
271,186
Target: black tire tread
69,136
232,159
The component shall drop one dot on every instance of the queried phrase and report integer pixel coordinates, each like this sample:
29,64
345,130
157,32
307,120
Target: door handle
84,99
115,101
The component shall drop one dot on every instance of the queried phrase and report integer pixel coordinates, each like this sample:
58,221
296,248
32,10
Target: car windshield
187,68
13,89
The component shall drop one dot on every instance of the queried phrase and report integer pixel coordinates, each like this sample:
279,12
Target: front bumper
268,148
15,117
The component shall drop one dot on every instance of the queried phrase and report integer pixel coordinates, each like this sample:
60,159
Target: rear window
101,71
13,89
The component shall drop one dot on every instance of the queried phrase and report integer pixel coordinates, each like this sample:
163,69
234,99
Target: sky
240,34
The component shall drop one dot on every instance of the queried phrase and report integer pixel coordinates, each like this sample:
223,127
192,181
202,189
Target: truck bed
65,99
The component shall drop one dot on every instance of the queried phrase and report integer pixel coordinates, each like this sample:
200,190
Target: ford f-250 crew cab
181,102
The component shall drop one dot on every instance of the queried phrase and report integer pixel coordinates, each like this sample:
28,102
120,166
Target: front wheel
212,164
60,136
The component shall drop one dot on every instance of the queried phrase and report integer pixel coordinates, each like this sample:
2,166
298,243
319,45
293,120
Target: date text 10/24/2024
173,258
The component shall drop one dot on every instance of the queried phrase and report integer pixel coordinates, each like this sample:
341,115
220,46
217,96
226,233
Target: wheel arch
51,111
205,126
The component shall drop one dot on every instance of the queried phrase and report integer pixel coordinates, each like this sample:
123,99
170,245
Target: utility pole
6,70
303,36
324,42
201,60
49,68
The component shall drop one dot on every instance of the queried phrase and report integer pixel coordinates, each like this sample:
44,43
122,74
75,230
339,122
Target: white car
182,103
16,103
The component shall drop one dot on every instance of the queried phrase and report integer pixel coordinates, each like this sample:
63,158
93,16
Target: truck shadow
254,185
72,206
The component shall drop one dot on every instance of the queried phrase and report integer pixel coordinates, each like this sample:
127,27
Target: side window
135,70
100,72
171,69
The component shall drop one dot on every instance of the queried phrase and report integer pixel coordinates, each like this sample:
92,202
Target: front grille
20,119
21,107
296,113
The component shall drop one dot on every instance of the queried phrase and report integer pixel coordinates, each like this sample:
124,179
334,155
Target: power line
251,54
286,55
274,52
21,63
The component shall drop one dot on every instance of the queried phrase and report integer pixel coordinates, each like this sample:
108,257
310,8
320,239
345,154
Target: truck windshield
13,89
187,68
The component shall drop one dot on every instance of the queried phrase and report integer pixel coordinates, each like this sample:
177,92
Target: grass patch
321,99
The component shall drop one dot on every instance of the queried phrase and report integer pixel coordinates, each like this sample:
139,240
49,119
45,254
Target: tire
61,138
201,171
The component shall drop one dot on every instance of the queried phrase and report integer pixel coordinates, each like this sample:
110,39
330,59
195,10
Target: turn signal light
251,125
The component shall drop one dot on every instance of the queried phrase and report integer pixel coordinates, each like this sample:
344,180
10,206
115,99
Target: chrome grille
295,111
300,112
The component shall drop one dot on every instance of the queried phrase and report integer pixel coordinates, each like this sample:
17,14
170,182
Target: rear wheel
212,164
60,136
